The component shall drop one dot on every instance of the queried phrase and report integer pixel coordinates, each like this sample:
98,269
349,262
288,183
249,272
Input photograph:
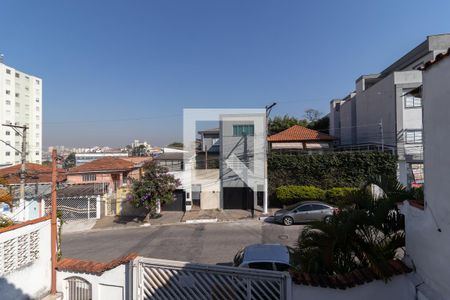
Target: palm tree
368,233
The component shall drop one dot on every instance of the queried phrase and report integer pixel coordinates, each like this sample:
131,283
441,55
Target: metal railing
78,289
162,279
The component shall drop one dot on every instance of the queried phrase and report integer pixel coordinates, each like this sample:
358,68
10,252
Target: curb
198,221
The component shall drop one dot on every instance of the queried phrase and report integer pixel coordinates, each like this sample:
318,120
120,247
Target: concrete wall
33,279
398,288
347,119
428,246
112,285
373,105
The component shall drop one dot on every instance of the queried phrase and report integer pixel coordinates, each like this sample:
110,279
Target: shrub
339,195
290,194
5,222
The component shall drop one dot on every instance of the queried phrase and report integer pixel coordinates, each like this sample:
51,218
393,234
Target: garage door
238,198
178,203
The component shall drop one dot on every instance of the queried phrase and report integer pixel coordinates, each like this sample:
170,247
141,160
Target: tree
368,233
5,197
176,145
69,161
155,187
312,115
278,124
322,125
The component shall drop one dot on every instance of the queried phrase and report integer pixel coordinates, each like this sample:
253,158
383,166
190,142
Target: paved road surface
203,243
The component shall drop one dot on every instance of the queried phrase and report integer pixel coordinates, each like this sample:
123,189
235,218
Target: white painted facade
33,279
112,284
20,104
398,288
427,230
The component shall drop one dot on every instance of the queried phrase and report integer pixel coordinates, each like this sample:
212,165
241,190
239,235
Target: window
37,100
306,207
282,267
8,133
8,92
412,102
78,288
318,207
37,81
8,71
8,153
261,265
242,130
8,102
17,94
37,153
8,82
17,75
89,177
413,136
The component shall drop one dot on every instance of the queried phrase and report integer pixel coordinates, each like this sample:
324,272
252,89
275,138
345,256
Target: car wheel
288,221
327,219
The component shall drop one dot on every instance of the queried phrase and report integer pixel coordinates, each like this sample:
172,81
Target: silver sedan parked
307,211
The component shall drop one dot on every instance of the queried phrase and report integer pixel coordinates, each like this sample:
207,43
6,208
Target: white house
428,226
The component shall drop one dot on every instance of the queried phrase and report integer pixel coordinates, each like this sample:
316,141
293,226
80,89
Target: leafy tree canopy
69,161
278,124
155,185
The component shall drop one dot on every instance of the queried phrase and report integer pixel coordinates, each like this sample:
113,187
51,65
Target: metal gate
74,208
163,279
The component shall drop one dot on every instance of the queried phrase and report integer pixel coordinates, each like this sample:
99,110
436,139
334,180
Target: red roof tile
103,165
438,58
35,173
299,133
348,280
93,267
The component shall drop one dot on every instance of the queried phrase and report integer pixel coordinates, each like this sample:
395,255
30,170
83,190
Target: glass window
89,177
413,137
261,265
282,267
306,207
411,102
8,71
17,75
241,130
8,153
8,133
8,92
319,207
8,102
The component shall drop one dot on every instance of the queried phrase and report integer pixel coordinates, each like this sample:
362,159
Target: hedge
339,195
294,193
328,170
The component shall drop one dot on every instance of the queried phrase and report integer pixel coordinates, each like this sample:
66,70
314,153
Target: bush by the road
339,195
290,194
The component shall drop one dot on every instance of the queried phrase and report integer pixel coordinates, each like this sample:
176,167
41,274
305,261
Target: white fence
162,279
25,266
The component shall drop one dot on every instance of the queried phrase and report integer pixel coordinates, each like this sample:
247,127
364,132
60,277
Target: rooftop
93,267
105,164
35,174
299,133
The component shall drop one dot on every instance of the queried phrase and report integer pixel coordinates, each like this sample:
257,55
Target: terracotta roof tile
93,267
299,133
103,165
348,280
35,174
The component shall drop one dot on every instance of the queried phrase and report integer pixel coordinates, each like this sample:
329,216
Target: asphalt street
214,243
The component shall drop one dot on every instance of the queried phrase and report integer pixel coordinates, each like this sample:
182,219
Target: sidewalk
167,218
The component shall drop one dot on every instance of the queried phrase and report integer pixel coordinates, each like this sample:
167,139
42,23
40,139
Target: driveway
214,243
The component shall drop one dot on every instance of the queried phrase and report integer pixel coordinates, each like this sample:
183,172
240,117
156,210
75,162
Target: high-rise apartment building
20,104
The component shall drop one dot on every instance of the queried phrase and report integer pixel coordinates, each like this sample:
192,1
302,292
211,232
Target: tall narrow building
20,104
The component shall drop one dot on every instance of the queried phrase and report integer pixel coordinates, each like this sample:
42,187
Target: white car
273,257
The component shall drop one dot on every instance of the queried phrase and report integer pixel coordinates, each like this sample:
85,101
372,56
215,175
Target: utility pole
381,134
23,153
266,183
53,223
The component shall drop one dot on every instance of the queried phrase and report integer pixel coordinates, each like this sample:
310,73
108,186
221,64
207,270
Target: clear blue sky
118,70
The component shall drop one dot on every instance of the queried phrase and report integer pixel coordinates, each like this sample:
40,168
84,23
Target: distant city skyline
115,71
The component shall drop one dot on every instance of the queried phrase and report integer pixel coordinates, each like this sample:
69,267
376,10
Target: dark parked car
307,211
